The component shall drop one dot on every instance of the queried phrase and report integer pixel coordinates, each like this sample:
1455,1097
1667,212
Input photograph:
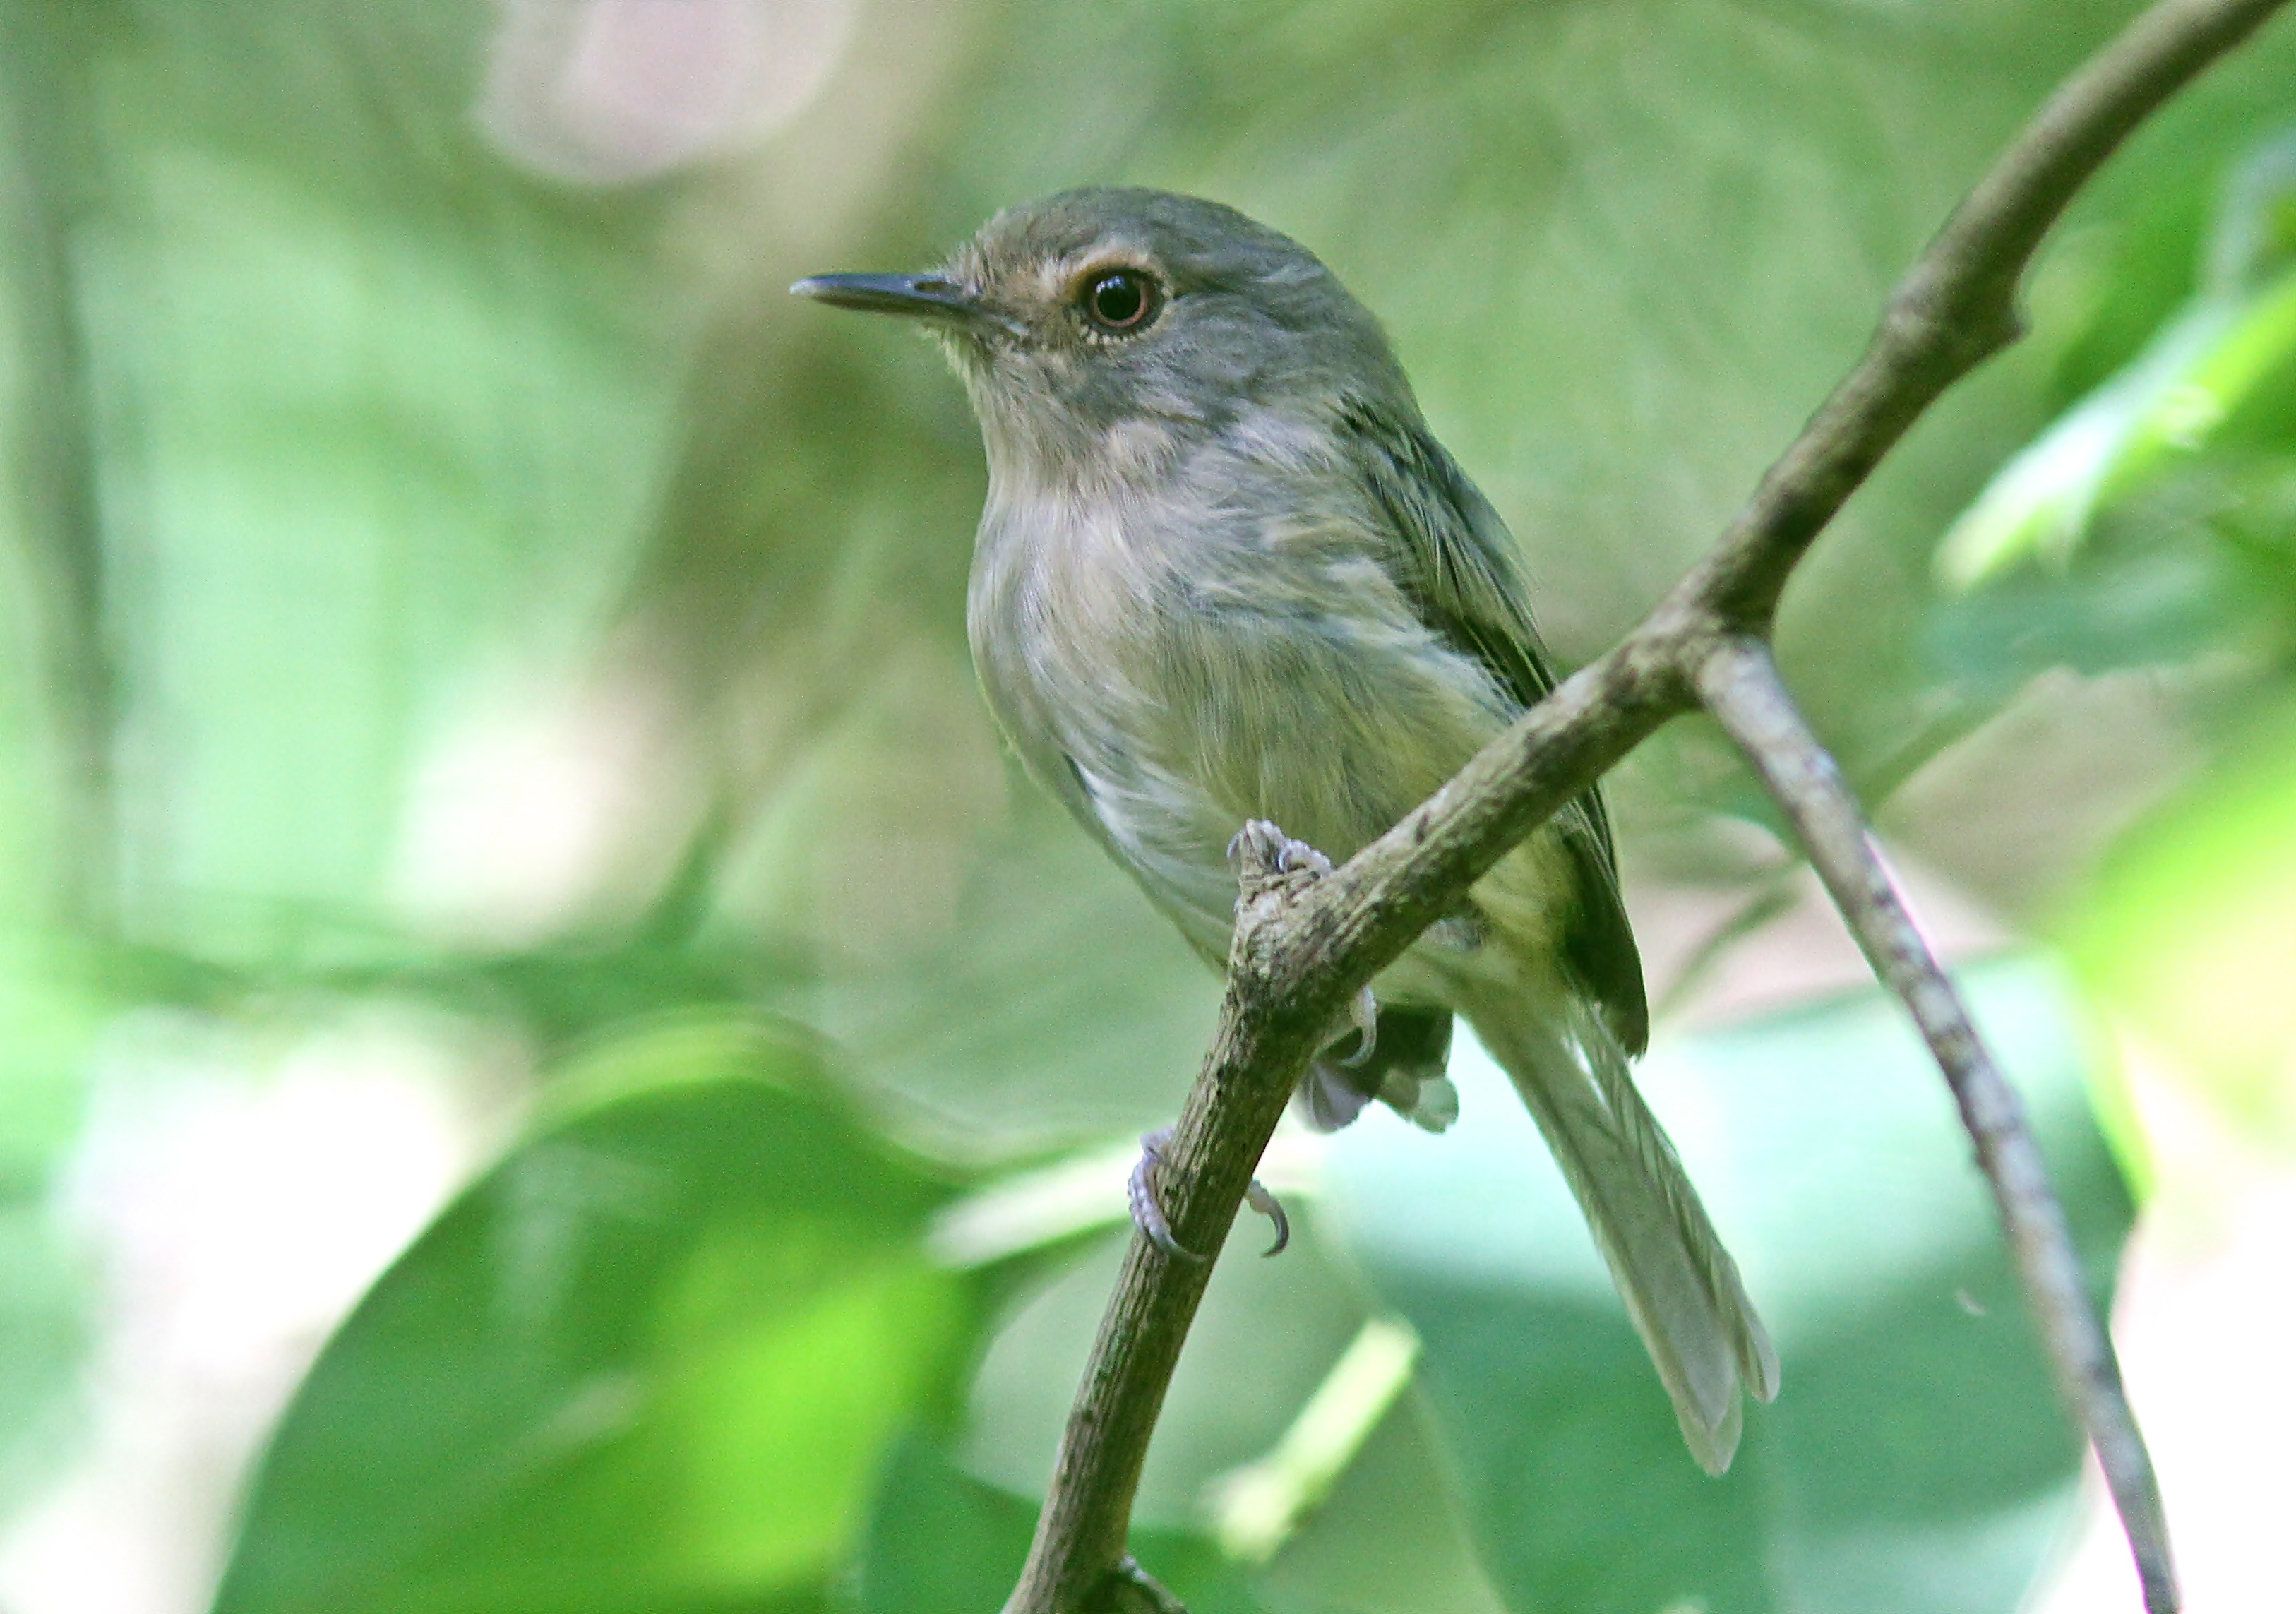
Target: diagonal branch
1740,686
1303,948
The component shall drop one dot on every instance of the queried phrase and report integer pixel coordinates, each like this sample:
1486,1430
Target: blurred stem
43,165
1303,949
1740,684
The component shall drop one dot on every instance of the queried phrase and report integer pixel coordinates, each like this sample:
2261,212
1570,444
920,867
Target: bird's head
1102,333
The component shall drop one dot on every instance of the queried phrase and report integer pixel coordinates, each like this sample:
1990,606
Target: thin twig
1301,953
1740,686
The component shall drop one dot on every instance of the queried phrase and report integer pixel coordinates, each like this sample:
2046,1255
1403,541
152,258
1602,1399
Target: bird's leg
1262,846
1362,1014
1148,1216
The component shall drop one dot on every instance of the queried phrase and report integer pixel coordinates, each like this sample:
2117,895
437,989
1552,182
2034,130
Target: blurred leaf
2255,242
1915,1459
2235,341
2198,376
2040,505
1255,1509
1391,1536
46,1303
652,1360
1054,1007
45,1337
53,809
2191,926
2176,600
367,404
48,1020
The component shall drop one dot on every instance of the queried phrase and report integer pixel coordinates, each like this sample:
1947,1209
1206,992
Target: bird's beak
931,297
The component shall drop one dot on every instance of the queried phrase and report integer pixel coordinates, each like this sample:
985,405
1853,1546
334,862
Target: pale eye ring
1119,302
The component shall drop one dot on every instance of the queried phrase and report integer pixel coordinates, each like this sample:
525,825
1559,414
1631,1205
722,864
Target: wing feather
1457,567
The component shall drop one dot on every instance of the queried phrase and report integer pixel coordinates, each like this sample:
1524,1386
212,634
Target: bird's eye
1121,301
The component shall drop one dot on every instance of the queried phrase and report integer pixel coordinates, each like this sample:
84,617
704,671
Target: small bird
1226,575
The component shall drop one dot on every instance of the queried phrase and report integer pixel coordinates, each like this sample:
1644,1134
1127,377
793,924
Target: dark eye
1120,300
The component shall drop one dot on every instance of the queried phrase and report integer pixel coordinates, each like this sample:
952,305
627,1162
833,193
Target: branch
1740,686
1077,1563
1303,948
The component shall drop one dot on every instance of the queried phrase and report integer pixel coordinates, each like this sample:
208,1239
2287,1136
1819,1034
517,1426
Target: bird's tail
1680,1286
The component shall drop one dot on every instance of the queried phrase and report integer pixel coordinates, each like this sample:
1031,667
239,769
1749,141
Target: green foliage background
438,582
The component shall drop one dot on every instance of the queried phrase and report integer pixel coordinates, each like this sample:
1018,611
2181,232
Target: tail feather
1680,1286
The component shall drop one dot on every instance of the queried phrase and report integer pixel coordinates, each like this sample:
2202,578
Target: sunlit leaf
2042,503
2192,928
2236,340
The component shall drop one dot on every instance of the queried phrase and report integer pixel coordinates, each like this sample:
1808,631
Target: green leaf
1055,1005
651,1360
2232,347
1915,1459
2186,934
49,1018
2042,503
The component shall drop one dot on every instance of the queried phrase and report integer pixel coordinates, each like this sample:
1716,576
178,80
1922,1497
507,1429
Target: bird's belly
1170,704
1170,824
1178,731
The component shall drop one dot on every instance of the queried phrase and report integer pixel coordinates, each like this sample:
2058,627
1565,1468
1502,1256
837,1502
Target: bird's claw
1148,1216
1274,849
1298,854
1267,1205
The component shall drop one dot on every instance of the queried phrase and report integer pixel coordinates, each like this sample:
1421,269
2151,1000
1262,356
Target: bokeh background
550,1061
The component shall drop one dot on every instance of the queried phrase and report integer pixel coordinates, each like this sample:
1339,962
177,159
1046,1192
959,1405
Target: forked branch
1304,948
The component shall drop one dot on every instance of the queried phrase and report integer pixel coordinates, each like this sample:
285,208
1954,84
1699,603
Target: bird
1224,575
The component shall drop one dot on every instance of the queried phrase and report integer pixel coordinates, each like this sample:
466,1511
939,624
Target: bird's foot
1261,852
1148,1216
1263,846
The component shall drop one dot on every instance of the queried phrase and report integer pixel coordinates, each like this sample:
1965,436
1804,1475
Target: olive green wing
1456,564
